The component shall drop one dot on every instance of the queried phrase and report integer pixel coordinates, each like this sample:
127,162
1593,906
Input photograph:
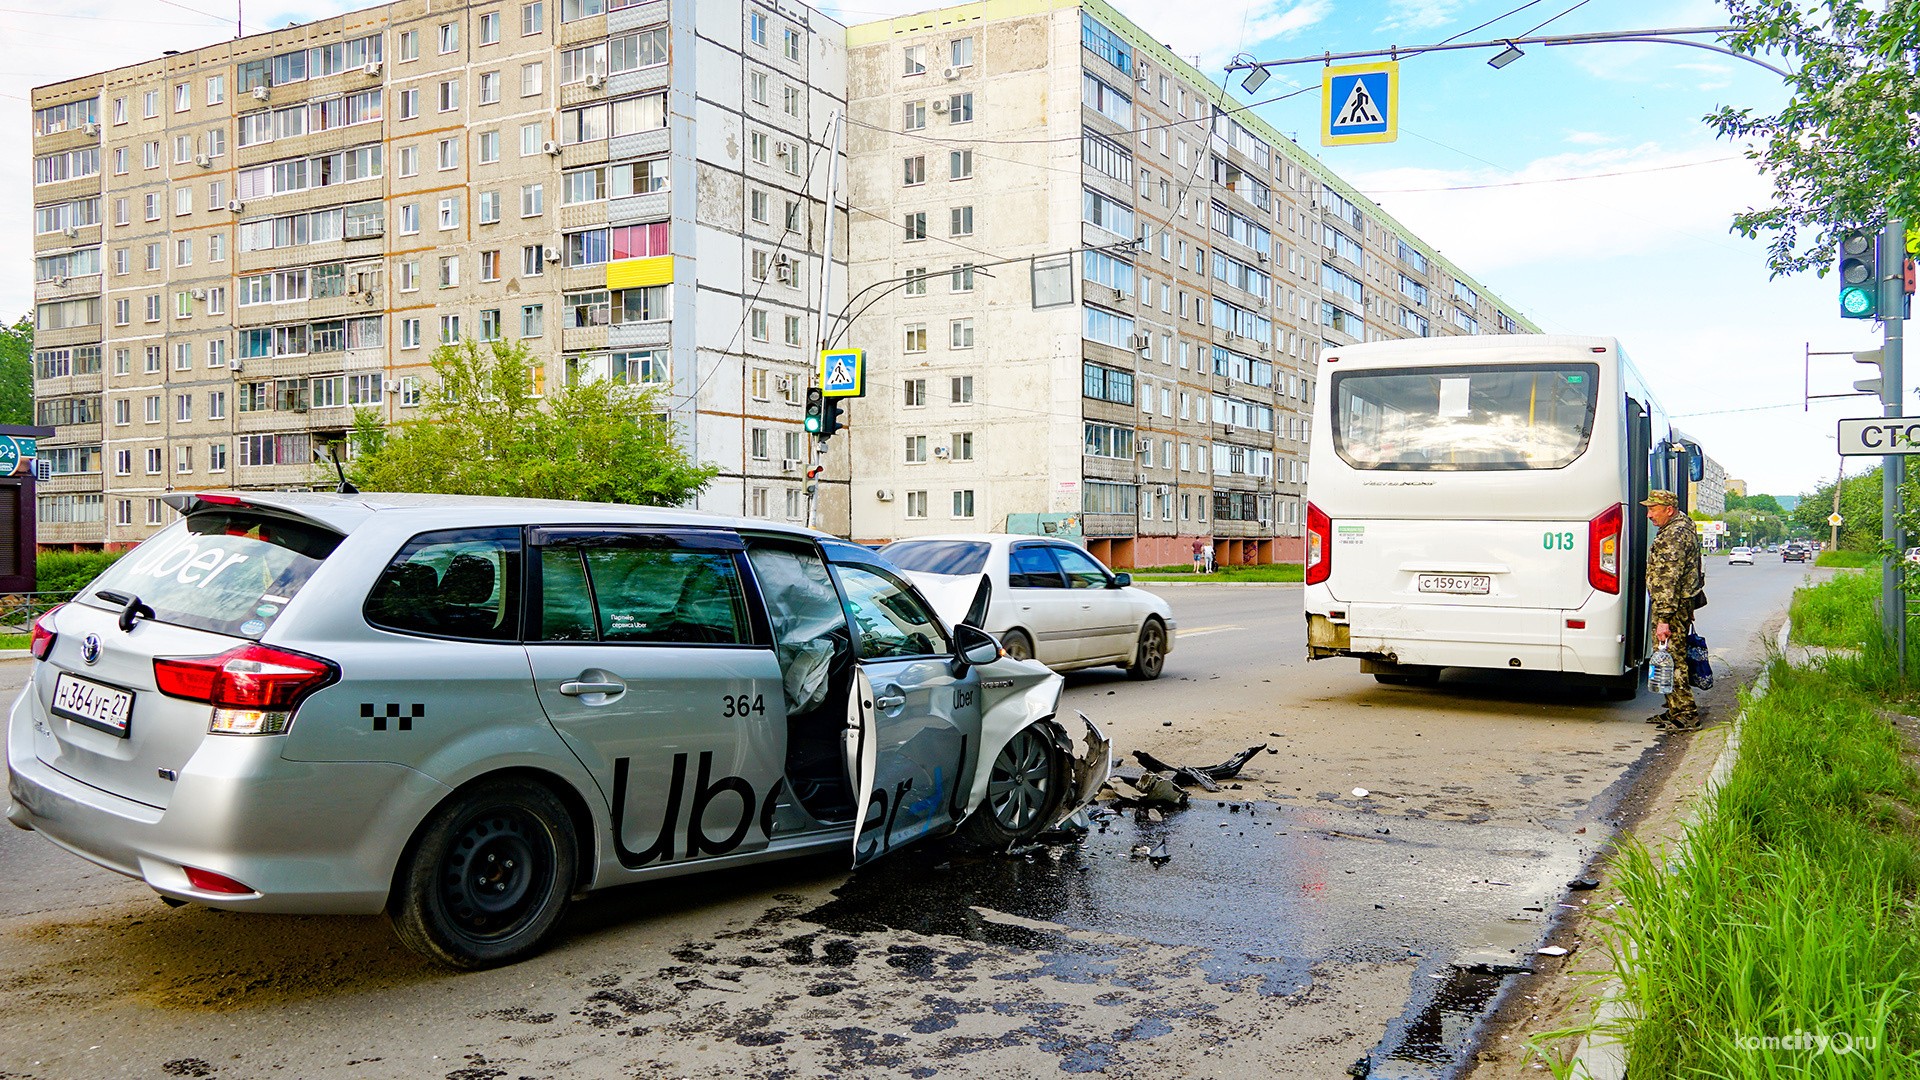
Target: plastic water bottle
1660,671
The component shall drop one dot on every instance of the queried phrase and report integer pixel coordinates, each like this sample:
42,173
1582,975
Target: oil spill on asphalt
1265,896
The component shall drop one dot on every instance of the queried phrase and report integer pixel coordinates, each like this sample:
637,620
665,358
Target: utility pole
1893,601
817,466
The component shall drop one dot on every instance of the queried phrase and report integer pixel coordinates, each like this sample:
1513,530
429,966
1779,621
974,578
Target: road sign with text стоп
1879,436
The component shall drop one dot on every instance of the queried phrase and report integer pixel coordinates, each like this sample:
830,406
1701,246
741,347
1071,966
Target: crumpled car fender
1016,695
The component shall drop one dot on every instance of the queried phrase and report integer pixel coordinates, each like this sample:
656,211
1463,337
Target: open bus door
1642,463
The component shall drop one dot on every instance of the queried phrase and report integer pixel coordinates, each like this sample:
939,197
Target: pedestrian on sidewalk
1674,580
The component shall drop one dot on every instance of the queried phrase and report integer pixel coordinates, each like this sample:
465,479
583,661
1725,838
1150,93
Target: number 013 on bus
1474,502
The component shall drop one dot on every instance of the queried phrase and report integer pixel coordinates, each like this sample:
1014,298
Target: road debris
1582,884
1360,793
1552,950
1201,776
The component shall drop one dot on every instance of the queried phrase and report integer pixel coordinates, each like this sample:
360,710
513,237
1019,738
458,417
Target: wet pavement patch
1264,906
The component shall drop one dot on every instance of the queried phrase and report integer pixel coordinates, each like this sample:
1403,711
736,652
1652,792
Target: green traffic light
1856,301
812,424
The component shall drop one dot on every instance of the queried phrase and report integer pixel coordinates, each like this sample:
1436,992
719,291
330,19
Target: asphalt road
1288,932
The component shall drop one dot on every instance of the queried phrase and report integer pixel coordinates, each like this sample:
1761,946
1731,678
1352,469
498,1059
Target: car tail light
253,689
43,635
1603,550
208,881
1319,545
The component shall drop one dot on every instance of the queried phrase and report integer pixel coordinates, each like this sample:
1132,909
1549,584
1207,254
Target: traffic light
1872,386
816,410
1859,275
830,417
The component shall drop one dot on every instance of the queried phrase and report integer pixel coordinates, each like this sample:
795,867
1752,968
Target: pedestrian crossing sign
843,373
1360,103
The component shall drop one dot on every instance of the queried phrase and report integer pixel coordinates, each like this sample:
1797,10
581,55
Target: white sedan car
1740,555
1045,599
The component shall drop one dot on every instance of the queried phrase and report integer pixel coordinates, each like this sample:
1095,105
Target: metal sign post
1893,601
818,462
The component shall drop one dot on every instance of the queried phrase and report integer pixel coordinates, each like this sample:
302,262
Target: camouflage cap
1662,498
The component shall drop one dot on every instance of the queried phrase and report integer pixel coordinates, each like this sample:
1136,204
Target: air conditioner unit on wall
90,129
203,161
941,452
790,464
883,494
596,80
236,206
951,73
939,106
372,70
1139,341
260,93
550,148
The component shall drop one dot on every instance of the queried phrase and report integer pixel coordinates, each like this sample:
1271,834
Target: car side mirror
974,646
1120,580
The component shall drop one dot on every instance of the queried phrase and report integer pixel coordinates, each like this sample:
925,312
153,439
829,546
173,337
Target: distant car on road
1795,553
1046,600
1740,555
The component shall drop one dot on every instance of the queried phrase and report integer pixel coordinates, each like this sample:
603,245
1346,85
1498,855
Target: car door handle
891,701
575,689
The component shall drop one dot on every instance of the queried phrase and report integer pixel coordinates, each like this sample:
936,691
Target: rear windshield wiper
113,598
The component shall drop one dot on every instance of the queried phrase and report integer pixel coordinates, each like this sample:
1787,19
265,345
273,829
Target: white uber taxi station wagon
462,711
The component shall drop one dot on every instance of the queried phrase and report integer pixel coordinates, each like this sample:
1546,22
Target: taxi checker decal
405,721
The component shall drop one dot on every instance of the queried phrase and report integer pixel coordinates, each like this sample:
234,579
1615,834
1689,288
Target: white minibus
1474,502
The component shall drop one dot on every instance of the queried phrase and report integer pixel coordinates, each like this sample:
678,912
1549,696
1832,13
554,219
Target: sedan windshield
938,556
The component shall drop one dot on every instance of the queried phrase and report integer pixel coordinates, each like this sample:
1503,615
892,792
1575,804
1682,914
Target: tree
1765,504
1844,152
16,372
484,430
1859,505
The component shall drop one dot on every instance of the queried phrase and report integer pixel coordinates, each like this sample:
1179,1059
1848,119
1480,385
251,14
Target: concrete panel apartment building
238,246
1153,393
1093,289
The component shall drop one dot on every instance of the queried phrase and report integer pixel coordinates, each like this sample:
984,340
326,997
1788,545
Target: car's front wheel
487,876
1018,644
1150,654
1024,789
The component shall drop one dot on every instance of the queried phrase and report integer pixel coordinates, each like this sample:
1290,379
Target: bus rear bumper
1430,635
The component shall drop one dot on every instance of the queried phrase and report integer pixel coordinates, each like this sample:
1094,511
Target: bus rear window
1445,419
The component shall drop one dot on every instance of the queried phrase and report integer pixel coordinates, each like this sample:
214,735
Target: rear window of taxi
228,571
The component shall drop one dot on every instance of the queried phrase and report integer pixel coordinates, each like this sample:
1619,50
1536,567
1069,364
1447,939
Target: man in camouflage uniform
1673,580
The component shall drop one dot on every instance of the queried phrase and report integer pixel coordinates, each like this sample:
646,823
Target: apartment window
153,256
758,443
914,116
217,351
757,87
183,405
533,201
961,280
530,139
915,169
119,161
410,391
409,275
490,324
532,80
916,504
217,247
916,449
489,88
150,104
960,165
791,44
793,329
488,207
449,37
757,144
960,333
533,260
409,218
409,46
962,445
409,333
409,107
151,406
490,28
916,283
963,503
532,320
120,361
155,462
757,28
962,389
182,97
757,324
449,271
120,110
916,225
916,334
759,206
449,329
122,261
533,19
960,221
960,51
123,466
120,214
183,360
152,206
154,505
182,149
793,216
153,310
449,95
916,60
450,153
182,201
960,109
916,393
792,102
183,251
490,266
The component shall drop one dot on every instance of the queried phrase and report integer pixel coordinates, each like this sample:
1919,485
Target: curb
1604,1056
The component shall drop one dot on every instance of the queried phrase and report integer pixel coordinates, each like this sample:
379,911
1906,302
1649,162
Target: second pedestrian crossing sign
1360,103
843,372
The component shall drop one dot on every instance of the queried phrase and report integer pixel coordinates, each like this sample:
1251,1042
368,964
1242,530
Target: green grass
1842,613
1791,906
1853,560
70,571
14,641
1267,572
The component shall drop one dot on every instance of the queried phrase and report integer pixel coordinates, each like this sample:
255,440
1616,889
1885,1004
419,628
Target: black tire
512,838
1024,790
1150,655
1017,644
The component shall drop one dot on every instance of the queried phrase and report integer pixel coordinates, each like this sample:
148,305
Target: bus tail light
1603,550
1319,545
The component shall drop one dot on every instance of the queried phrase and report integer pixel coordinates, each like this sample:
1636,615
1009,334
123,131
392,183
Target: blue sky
1579,183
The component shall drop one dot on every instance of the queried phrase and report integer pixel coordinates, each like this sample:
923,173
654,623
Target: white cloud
1589,138
1215,32
1418,14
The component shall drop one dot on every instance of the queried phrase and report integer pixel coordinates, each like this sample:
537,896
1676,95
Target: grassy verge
1838,614
1789,916
1268,572
14,641
1852,560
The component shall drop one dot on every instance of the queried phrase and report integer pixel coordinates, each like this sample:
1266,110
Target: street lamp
1256,78
1506,56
